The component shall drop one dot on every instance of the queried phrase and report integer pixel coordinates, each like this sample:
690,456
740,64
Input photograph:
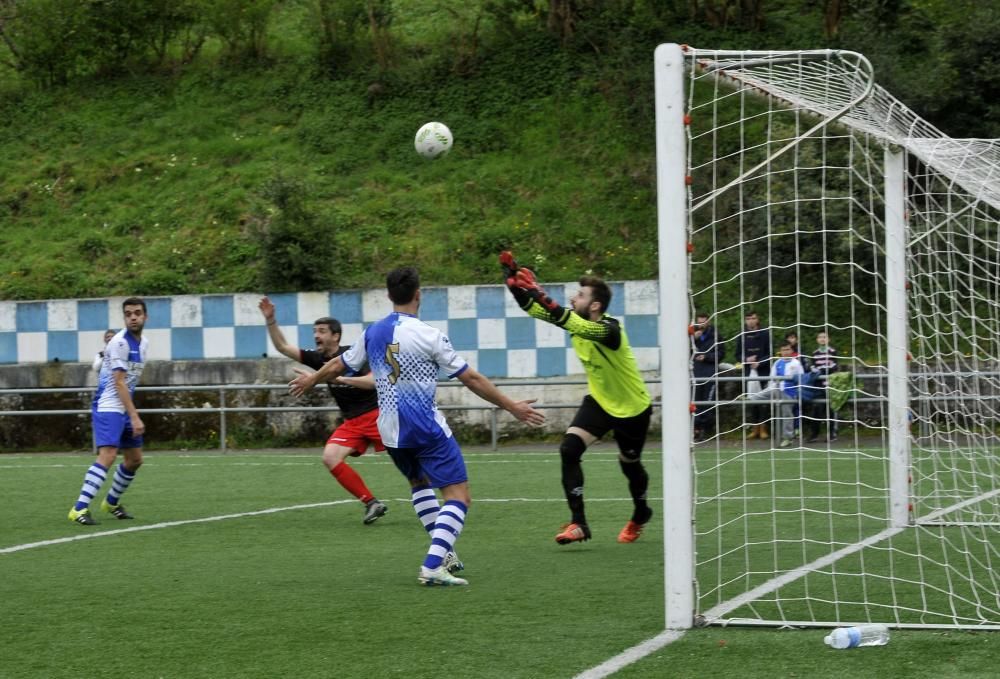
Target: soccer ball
433,140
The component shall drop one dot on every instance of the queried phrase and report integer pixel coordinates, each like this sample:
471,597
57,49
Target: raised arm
366,381
267,309
486,390
531,297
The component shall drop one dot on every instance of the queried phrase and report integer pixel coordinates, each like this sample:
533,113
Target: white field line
165,524
314,463
630,655
552,451
259,512
61,460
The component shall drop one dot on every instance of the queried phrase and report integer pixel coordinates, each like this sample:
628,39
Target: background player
358,406
117,425
618,400
99,356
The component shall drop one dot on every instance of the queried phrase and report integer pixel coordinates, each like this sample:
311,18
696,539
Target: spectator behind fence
753,351
824,364
785,387
792,337
708,351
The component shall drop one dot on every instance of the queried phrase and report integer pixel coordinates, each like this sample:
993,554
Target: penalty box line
241,515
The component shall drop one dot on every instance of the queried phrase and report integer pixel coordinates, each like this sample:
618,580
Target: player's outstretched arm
306,380
360,381
528,293
536,302
481,386
267,310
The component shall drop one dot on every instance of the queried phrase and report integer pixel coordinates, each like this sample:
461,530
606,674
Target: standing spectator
359,408
784,385
406,355
117,425
753,350
824,364
709,350
99,356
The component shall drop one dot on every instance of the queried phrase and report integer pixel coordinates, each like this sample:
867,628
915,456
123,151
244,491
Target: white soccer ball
433,140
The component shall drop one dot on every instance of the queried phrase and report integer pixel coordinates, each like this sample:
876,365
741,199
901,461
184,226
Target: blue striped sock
92,482
119,484
448,527
425,503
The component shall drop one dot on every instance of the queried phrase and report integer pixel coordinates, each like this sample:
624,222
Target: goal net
806,193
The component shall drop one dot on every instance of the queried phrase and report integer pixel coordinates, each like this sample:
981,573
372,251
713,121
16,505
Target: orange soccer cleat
573,532
633,529
631,532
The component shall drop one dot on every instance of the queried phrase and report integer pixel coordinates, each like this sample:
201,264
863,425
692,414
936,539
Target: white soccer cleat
438,576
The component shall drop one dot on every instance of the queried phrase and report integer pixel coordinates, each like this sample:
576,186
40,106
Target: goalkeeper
618,400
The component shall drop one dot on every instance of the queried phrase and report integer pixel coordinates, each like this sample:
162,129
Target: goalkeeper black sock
638,483
571,450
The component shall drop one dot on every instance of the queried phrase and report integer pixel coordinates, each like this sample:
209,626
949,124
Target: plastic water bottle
862,635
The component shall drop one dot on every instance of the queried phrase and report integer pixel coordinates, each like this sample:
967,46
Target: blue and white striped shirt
406,357
123,352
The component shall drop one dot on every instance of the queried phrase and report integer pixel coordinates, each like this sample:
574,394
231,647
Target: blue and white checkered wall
484,324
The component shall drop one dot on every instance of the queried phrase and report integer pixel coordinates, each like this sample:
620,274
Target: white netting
787,216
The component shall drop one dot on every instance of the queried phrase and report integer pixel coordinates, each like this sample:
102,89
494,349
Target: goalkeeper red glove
525,280
509,267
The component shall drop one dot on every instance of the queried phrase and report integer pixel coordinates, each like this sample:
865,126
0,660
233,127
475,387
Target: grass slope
281,177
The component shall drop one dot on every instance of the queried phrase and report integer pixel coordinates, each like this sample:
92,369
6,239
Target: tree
50,40
241,24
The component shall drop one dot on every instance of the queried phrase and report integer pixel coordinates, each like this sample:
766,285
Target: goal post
895,306
671,149
792,185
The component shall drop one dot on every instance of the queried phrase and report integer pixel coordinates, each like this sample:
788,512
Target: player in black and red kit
358,406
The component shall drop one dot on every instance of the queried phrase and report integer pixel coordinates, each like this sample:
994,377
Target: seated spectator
784,386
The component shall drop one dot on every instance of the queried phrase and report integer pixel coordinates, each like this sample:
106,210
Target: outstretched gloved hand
510,267
525,279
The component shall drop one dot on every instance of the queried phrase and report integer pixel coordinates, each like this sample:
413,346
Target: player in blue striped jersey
406,356
117,425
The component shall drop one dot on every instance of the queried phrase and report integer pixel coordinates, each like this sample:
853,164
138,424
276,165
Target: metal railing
223,408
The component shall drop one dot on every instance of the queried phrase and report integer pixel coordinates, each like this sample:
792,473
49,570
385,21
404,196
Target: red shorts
357,432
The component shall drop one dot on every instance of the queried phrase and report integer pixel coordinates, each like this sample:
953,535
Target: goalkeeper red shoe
633,529
573,532
631,532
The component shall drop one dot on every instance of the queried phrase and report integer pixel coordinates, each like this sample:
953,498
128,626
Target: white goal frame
902,134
